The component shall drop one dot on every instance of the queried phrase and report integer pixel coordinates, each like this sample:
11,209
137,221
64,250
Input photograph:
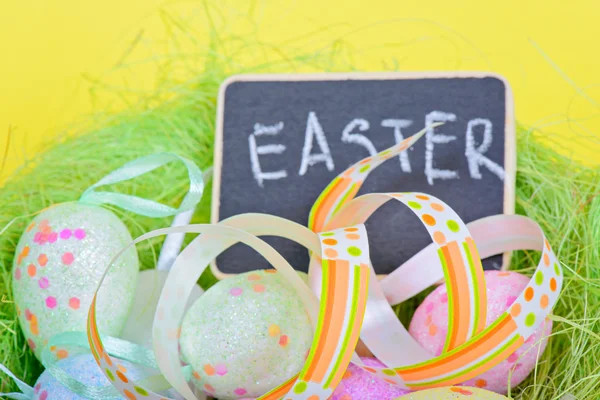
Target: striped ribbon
352,303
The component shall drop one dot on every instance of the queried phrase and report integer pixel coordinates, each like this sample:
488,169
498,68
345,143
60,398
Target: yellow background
52,52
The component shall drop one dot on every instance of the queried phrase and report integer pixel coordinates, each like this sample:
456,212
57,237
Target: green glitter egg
246,335
58,263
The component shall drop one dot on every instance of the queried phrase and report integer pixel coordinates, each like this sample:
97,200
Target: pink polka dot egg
246,335
58,263
358,384
453,393
430,325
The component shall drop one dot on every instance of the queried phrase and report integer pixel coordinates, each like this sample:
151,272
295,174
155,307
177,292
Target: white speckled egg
83,368
246,335
58,263
453,393
430,325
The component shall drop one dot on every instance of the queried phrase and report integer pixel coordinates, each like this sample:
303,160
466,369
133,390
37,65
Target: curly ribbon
352,301
173,242
140,205
27,391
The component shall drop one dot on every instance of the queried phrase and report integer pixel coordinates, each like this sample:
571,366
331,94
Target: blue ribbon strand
25,388
141,206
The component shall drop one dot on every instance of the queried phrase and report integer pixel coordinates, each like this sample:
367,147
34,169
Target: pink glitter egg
358,384
430,325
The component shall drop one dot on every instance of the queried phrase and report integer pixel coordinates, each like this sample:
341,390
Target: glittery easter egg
82,367
246,335
430,325
58,263
358,384
453,393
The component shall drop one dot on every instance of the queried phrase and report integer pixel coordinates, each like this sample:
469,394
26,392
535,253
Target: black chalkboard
262,165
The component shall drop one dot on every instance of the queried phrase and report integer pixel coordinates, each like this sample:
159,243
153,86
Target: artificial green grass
559,194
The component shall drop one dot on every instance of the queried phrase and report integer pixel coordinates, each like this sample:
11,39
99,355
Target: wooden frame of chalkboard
509,128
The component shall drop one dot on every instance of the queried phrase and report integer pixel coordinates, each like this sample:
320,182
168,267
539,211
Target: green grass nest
179,116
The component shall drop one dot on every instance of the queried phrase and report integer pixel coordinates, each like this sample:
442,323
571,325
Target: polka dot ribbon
348,301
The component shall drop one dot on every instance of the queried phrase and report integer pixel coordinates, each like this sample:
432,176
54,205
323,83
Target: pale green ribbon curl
141,206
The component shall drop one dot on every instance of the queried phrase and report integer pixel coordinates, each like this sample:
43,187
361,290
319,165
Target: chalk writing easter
281,139
269,140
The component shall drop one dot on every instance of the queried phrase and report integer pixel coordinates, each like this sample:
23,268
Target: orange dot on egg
284,340
62,353
253,277
433,329
25,251
422,197
122,368
352,236
350,229
129,395
330,241
43,260
274,330
31,270
209,387
553,284
258,288
481,383
209,370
